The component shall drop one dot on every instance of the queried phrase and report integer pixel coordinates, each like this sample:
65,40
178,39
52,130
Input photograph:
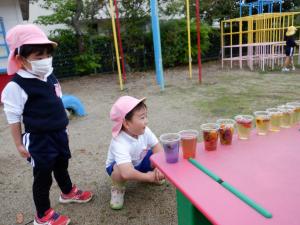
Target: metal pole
116,43
198,21
189,36
120,40
157,44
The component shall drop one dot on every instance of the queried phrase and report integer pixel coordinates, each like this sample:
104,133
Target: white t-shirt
126,149
14,97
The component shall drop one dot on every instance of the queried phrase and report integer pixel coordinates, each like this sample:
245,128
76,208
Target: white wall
11,13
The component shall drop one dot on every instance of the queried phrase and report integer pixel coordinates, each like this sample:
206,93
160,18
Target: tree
75,14
229,9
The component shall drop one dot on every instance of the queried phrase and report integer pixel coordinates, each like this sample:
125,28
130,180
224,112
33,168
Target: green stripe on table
232,189
204,170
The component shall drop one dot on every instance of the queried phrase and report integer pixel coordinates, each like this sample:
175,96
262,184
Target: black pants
43,180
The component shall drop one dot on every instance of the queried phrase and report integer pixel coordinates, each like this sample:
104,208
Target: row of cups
272,119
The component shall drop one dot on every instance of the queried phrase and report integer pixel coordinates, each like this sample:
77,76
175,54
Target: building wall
11,13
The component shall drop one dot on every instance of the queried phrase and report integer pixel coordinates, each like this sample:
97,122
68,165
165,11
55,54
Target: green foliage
87,62
174,41
81,50
137,46
67,58
66,40
77,15
64,10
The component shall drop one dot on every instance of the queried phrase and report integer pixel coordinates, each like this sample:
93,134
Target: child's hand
158,175
155,176
152,176
23,152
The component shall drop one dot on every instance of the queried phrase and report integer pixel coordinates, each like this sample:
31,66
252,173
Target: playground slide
73,104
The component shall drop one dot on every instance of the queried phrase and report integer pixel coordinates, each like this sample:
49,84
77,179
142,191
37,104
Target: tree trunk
76,25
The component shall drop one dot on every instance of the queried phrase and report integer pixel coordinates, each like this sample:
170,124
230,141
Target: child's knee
116,174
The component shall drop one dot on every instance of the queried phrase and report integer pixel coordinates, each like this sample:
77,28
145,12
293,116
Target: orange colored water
189,147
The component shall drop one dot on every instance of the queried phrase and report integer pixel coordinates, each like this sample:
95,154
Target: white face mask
41,67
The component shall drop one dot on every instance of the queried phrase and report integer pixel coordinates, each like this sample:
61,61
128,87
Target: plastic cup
189,143
244,126
171,142
275,118
262,119
296,111
287,115
226,130
210,135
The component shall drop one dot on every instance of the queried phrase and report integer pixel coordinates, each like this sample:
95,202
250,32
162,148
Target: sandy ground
184,104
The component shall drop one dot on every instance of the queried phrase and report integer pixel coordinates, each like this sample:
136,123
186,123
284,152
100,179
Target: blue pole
280,6
241,8
261,7
157,44
240,11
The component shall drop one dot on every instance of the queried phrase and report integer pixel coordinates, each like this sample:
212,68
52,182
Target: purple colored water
171,152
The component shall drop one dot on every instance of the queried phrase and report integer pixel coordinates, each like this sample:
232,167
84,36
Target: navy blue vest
43,111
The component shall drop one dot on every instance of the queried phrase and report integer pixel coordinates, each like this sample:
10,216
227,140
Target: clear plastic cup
262,120
189,143
171,142
287,115
244,126
226,130
210,135
275,119
296,111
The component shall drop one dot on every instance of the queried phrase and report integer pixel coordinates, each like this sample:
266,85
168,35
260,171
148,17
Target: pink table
264,168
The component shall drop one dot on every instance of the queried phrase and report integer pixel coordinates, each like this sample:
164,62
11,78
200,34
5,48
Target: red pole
198,40
120,40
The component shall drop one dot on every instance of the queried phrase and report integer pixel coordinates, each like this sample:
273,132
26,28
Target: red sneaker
52,218
76,195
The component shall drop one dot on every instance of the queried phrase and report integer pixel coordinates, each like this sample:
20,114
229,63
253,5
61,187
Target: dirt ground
184,104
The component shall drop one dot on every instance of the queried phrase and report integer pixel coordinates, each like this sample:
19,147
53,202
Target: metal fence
138,60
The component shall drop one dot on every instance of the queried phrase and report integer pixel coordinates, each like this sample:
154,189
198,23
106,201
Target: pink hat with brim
22,35
120,109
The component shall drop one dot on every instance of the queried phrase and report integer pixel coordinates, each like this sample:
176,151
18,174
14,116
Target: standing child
34,96
131,147
289,49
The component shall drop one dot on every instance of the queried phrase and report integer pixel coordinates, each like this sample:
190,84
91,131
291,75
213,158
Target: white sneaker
293,68
117,197
285,69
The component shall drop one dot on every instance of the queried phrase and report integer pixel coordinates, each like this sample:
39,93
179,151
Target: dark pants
144,166
43,180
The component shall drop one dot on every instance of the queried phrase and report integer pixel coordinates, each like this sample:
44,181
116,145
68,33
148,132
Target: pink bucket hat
119,110
21,35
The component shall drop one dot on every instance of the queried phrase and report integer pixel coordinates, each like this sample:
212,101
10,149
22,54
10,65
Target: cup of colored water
244,126
171,142
189,143
226,130
275,118
262,120
296,111
210,135
287,115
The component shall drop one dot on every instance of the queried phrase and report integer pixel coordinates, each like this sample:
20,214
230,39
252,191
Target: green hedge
99,55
